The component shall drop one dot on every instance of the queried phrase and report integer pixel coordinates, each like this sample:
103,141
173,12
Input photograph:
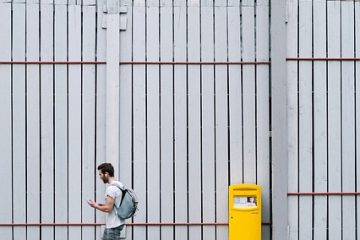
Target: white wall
187,131
323,122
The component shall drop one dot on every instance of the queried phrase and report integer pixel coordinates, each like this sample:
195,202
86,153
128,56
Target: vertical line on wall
12,117
26,127
270,123
228,95
81,114
215,119
67,120
327,121
355,121
40,128
159,126
313,120
54,121
242,92
187,115
201,129
341,121
95,108
355,126
298,118
132,103
356,118
160,123
173,118
146,122
256,94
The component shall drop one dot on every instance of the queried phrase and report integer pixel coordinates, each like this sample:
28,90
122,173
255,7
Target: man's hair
106,168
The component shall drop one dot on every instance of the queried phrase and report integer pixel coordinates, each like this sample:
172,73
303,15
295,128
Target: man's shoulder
114,186
112,191
117,184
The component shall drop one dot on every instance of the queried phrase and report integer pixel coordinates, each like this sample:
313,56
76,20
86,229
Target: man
113,195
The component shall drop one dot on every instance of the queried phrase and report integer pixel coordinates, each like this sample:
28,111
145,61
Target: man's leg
112,233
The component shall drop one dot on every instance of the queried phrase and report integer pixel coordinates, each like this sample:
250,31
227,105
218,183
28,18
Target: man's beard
105,180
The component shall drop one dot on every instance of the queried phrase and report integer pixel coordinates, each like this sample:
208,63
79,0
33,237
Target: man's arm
106,207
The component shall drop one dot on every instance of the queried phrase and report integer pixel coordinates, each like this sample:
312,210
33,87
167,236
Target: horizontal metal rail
323,193
197,63
326,59
50,224
51,62
135,63
101,224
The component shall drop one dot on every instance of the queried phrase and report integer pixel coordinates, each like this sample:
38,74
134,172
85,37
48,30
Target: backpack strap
122,189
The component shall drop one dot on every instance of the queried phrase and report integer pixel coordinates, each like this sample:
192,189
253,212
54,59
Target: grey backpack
128,204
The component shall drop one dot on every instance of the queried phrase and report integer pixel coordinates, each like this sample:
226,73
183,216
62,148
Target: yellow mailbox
244,212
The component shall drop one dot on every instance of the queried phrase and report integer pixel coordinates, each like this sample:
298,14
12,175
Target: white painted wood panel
221,118
74,111
100,90
19,119
357,98
249,91
305,121
33,119
235,94
88,127
125,85
125,102
263,111
167,119
47,119
139,114
293,150
334,119
320,121
61,120
153,119
6,214
207,115
348,121
194,120
293,121
180,121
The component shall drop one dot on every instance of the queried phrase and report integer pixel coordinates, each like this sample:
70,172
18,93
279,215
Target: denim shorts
112,233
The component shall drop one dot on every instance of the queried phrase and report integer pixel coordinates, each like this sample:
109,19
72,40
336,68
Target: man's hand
107,207
92,203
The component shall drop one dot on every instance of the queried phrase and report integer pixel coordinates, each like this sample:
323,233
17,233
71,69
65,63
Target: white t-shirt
112,220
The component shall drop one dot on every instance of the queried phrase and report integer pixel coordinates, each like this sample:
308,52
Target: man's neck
111,179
